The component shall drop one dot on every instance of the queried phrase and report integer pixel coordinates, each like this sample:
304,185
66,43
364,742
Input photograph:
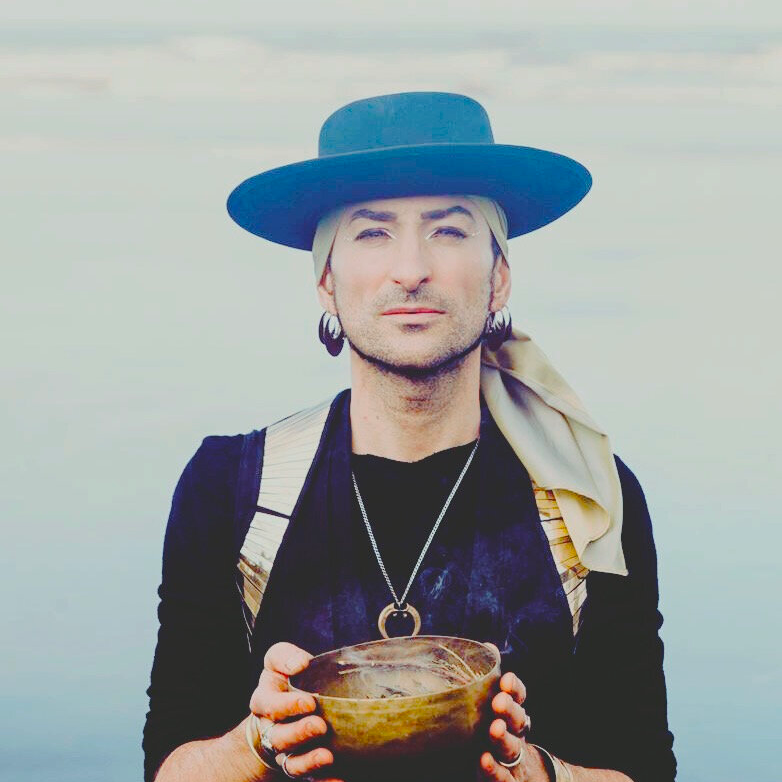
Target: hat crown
404,119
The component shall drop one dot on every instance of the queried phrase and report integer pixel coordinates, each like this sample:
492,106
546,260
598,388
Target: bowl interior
410,666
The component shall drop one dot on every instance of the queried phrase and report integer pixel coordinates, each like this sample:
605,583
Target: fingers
514,716
267,701
271,697
273,700
289,736
505,744
505,732
286,659
291,739
490,769
506,747
300,765
511,684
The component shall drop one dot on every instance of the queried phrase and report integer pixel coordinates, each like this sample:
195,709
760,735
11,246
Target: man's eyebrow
383,217
438,214
389,217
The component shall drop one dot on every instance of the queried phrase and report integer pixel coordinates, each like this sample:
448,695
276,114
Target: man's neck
408,419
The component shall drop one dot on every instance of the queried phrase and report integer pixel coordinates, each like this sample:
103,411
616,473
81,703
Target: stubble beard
443,363
440,366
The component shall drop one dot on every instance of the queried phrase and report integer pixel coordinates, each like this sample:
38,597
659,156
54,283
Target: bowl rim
320,696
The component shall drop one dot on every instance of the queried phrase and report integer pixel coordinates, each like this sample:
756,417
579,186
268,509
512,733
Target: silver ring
268,751
283,765
266,739
524,732
513,762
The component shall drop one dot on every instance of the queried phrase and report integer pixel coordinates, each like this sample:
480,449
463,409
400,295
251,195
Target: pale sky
640,14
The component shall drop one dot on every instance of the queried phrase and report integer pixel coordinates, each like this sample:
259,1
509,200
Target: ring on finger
284,765
524,731
267,747
513,762
266,739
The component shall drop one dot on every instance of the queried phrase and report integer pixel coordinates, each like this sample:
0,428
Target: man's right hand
272,701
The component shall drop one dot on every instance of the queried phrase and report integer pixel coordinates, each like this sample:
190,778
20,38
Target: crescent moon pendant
392,610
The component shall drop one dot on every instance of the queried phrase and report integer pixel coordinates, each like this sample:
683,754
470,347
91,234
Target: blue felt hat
409,143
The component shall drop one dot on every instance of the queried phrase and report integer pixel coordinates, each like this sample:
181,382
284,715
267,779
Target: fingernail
295,663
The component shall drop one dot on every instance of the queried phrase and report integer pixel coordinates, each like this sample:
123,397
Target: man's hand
508,736
272,701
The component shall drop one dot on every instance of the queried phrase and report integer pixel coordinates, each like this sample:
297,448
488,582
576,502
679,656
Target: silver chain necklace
399,606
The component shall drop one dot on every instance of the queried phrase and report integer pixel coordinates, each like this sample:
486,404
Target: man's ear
326,290
500,284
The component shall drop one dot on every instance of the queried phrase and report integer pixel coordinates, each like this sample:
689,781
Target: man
459,463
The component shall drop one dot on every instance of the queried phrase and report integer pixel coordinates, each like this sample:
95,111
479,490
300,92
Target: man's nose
412,265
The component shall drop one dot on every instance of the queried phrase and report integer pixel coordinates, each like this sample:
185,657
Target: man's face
413,280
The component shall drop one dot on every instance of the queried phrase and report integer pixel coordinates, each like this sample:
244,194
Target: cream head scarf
541,417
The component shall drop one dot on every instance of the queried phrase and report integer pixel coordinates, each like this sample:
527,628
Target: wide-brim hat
405,144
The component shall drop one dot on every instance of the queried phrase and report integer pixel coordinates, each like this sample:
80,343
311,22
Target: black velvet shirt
597,700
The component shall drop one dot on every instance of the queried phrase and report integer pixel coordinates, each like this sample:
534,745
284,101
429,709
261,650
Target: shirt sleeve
621,719
199,685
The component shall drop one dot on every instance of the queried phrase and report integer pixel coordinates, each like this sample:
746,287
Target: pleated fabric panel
289,451
571,572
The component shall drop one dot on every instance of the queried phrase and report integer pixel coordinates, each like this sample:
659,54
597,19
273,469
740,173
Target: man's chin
417,365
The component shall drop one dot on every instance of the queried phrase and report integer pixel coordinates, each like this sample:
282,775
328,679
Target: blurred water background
137,318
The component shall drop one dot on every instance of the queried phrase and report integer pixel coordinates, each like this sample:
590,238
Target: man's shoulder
315,415
216,450
212,470
220,451
631,486
637,533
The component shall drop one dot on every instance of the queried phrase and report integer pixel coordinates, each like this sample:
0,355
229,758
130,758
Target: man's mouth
413,311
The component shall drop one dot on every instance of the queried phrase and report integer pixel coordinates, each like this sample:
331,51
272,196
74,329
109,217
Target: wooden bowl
405,708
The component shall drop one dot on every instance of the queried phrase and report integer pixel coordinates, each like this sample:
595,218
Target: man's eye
449,231
372,233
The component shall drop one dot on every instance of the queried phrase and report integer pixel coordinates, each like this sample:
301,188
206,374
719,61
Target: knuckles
502,702
512,713
278,705
514,686
311,726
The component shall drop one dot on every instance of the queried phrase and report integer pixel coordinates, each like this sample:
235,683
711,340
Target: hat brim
533,186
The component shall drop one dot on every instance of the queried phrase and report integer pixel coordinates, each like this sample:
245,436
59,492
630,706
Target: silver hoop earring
330,333
499,327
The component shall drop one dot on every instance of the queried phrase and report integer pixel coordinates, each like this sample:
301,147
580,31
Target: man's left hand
507,735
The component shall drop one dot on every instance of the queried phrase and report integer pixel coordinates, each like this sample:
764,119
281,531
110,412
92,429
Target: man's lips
413,311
